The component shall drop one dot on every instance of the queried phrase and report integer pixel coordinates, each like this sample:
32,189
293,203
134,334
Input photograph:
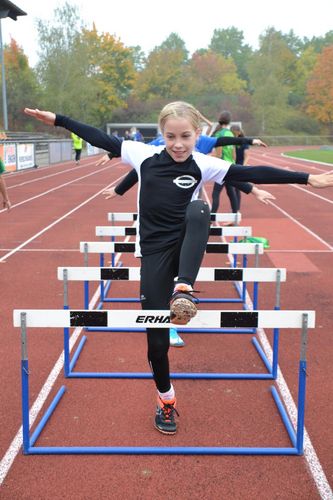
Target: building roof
8,9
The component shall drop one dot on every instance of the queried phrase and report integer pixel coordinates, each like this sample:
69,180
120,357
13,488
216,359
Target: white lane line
12,252
56,188
42,178
286,214
42,250
322,198
278,157
310,455
15,446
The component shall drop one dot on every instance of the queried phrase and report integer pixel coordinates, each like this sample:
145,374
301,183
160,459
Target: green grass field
322,155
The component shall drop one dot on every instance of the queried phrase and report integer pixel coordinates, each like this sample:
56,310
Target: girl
173,225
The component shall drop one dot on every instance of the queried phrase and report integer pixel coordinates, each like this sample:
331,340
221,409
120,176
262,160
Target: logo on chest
185,181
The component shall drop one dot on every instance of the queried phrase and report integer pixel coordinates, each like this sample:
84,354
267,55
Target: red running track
56,207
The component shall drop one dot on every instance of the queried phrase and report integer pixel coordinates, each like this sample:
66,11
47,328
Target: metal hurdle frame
205,274
102,247
235,231
68,319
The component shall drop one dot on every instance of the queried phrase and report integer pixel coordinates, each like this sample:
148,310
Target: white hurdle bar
112,247
66,319
248,274
235,218
214,231
129,318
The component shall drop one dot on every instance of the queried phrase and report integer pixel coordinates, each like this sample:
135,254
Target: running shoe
175,339
182,304
165,416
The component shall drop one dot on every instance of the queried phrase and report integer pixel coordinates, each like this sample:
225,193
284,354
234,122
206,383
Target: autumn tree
320,89
21,84
111,71
212,73
163,73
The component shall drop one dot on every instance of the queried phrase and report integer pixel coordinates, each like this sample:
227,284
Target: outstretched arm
273,175
94,136
234,141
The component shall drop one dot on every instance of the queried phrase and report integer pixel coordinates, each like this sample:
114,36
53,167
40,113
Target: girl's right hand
44,116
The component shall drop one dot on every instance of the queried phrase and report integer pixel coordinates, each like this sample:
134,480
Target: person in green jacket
77,145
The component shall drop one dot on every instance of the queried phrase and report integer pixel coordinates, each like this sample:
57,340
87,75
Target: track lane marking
16,444
310,455
16,249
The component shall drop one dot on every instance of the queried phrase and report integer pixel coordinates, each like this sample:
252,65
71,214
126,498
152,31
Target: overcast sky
148,23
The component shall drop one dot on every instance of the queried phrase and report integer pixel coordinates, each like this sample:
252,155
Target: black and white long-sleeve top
167,187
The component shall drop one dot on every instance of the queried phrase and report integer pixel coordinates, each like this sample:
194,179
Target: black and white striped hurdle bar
128,318
247,274
214,231
232,248
132,216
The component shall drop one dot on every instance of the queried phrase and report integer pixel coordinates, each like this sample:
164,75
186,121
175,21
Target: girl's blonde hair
180,109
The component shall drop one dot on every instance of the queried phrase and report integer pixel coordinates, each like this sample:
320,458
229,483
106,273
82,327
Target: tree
63,63
83,73
320,89
272,73
163,74
230,43
21,84
111,71
213,73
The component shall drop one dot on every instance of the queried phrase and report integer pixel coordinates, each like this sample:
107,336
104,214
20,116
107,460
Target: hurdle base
152,450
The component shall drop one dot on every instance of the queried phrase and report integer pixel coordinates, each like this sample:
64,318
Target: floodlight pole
3,81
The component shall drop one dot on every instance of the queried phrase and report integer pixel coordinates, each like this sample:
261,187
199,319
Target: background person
241,156
77,145
3,188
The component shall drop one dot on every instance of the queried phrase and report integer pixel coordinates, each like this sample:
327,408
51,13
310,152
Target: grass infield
322,155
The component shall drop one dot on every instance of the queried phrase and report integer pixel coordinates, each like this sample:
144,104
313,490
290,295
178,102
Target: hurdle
80,318
116,231
102,247
205,274
235,218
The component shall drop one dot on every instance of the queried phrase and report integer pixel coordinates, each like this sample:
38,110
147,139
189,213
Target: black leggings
77,154
233,195
158,272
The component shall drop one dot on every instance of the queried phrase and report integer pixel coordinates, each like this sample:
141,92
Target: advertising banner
25,156
92,150
9,156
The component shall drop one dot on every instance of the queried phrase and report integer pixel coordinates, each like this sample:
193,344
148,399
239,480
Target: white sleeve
135,153
212,168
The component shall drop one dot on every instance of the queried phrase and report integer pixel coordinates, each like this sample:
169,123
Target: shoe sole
182,311
177,344
165,432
